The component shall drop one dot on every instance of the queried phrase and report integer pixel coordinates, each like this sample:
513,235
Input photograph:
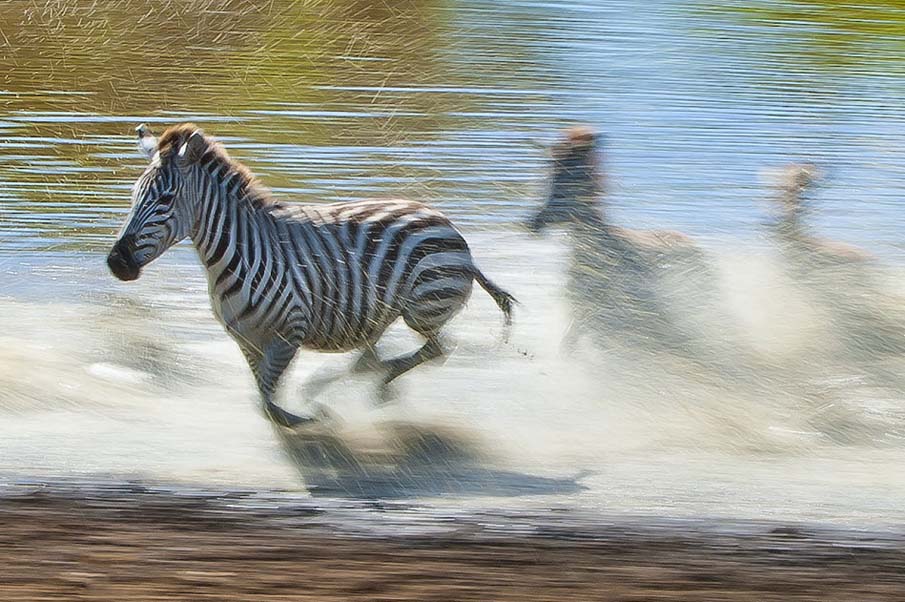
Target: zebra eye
165,198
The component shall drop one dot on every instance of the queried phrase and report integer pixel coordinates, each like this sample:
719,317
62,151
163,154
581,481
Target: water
444,102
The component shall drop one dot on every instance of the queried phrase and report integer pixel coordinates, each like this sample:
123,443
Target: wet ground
118,541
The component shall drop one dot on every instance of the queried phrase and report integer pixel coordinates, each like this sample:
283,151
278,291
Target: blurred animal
620,280
791,230
280,276
843,279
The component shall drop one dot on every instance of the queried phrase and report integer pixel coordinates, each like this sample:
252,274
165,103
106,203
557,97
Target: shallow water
444,102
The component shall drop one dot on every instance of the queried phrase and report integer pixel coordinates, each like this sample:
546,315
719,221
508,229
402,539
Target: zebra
329,277
792,183
649,294
845,280
616,275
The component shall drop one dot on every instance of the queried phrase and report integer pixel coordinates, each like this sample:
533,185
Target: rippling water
445,102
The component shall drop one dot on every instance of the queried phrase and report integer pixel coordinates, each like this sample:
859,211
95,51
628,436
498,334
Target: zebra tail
504,300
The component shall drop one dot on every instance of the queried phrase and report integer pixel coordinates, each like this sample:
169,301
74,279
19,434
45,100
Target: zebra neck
591,225
591,240
789,227
227,230
790,223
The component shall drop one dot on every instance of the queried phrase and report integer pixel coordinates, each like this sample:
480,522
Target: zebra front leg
268,367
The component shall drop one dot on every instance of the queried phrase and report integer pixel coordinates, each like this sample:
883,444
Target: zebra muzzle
121,261
536,224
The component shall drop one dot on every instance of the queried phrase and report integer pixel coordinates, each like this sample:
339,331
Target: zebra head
163,208
575,181
792,183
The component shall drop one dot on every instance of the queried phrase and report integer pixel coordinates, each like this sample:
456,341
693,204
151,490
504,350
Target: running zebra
281,276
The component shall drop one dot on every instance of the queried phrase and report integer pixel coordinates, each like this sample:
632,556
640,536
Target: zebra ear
193,148
147,142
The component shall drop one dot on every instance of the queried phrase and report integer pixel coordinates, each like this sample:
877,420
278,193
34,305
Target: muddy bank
128,541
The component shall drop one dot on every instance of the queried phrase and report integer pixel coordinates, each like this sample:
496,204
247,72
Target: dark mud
132,541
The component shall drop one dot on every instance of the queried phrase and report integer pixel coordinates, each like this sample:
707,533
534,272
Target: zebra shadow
409,460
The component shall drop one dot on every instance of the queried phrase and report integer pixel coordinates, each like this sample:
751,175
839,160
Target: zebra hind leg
430,305
368,361
398,366
318,382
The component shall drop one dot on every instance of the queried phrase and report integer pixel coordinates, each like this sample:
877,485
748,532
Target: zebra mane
214,158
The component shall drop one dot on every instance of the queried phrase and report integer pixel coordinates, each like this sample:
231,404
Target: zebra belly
346,337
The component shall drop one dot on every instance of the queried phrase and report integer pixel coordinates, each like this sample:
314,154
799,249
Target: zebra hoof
281,417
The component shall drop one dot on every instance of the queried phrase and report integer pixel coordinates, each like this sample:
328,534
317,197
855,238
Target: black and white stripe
328,277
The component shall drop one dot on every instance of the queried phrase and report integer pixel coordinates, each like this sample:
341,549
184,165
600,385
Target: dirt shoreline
124,541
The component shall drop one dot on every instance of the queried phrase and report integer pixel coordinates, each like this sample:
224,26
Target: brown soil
71,542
